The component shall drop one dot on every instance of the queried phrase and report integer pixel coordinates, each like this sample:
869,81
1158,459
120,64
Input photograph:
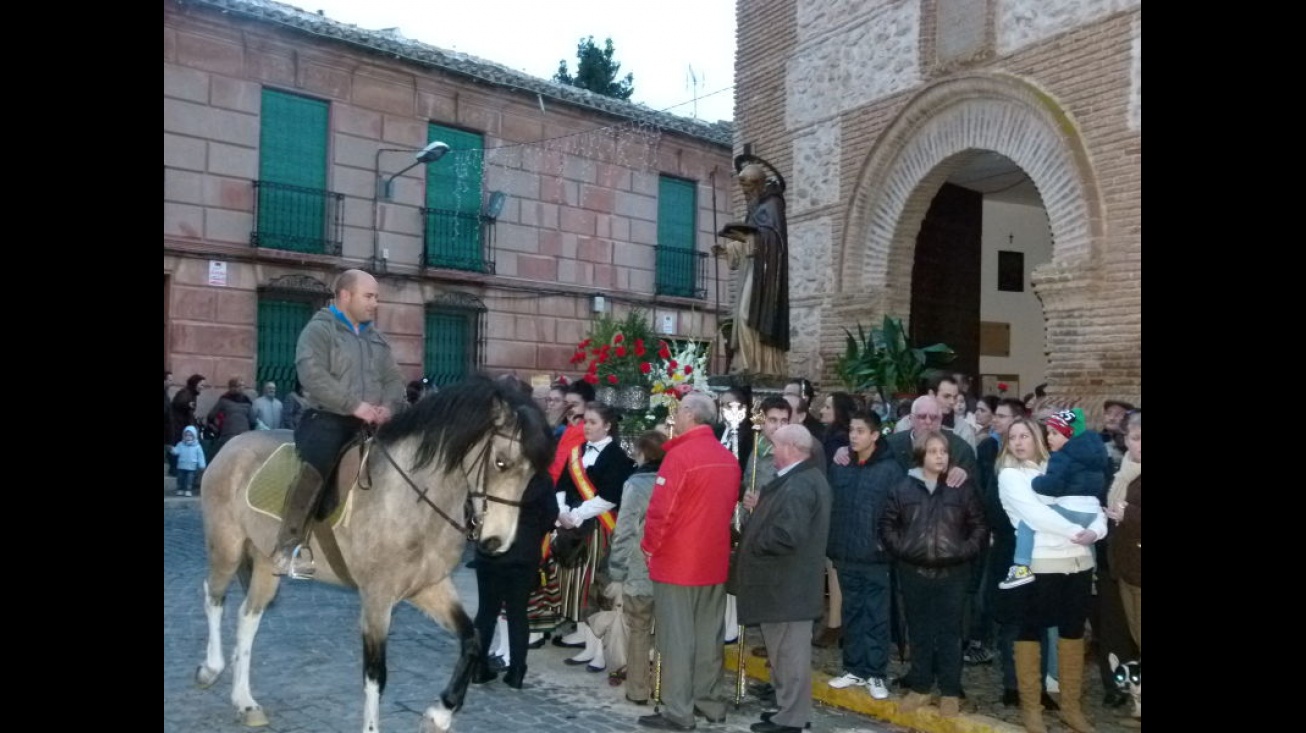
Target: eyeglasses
928,418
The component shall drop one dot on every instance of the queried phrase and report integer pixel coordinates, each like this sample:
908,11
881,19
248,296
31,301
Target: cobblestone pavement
307,664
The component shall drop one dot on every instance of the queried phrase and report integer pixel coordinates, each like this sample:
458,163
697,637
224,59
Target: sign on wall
218,273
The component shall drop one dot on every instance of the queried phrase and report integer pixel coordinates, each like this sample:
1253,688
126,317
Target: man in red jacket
687,543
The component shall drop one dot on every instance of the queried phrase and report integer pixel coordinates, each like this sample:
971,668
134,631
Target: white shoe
847,680
878,689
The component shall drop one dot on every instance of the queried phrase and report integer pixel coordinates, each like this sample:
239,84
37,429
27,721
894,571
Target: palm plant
886,360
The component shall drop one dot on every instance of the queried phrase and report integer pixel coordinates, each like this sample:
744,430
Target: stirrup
293,568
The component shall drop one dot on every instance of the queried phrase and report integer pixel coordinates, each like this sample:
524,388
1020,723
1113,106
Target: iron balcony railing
681,272
456,240
297,219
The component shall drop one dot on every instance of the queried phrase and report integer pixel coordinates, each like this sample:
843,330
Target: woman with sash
589,494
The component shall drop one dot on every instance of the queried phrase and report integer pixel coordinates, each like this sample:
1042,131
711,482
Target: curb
926,719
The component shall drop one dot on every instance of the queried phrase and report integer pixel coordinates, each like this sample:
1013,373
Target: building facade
290,155
872,107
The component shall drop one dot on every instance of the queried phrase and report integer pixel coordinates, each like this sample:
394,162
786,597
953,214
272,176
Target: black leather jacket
932,530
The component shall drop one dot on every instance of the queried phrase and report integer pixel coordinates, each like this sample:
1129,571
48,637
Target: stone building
290,154
971,166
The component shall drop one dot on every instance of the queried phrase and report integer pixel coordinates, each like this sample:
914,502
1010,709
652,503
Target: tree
596,71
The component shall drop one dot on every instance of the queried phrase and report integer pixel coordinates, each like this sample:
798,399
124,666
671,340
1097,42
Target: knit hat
1062,422
1079,424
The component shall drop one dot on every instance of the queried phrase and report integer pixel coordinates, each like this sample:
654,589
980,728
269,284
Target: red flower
612,379
664,351
603,358
592,379
593,368
639,347
645,367
584,343
618,338
688,370
1002,386
621,350
596,351
674,364
563,380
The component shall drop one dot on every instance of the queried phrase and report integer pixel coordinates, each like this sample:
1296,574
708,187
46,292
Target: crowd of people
971,528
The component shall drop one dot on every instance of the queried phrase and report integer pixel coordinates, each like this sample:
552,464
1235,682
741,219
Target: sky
660,42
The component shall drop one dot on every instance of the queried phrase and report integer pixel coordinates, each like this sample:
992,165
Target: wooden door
945,291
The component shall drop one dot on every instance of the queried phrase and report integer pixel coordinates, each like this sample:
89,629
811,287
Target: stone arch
932,137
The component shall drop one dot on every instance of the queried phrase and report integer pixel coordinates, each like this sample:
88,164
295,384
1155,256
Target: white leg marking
371,706
246,628
213,662
437,719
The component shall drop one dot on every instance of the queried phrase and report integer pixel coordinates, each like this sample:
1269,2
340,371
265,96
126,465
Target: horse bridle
473,527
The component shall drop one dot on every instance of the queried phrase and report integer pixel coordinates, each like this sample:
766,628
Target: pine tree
596,71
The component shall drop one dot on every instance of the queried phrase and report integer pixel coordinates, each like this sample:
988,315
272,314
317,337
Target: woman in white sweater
1063,564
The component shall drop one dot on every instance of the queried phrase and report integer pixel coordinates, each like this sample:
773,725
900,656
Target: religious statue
758,250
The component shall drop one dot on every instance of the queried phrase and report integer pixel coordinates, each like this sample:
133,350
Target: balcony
297,219
681,272
456,240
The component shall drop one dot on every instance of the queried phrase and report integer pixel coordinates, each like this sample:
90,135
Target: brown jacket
1126,544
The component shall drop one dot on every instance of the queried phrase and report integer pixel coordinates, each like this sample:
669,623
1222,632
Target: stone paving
307,664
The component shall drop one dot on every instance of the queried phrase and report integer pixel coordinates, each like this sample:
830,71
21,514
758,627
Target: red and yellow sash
587,490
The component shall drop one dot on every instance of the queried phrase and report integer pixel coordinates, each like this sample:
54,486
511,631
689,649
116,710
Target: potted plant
886,360
617,355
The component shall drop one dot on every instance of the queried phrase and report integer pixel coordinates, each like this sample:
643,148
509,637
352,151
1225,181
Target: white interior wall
1020,228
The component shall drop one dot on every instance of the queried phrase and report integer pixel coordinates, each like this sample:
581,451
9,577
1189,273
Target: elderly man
780,558
267,408
687,544
927,415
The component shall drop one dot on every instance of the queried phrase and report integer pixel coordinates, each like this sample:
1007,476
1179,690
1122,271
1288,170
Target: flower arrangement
681,370
616,352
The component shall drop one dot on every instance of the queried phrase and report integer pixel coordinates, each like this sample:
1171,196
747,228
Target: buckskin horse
452,467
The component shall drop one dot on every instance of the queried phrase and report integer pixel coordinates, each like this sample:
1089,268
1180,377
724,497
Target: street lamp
385,190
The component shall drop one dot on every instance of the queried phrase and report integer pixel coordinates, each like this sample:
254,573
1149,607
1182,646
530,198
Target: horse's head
483,442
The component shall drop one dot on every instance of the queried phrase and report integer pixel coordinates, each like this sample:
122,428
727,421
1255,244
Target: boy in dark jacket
1074,485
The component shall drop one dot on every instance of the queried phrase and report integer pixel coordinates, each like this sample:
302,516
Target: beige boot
1029,680
1070,668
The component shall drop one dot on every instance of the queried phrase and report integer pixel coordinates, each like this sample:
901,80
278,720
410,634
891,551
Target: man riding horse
351,380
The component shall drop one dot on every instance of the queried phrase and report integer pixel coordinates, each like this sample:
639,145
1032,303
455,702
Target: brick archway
930,139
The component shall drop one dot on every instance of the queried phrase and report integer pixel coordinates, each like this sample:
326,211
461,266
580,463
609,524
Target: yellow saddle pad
267,488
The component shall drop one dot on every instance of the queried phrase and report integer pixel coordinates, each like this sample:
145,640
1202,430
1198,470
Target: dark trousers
1055,599
321,436
933,610
507,587
865,618
978,611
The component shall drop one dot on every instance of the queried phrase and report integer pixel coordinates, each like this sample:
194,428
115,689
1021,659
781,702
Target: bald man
927,415
350,379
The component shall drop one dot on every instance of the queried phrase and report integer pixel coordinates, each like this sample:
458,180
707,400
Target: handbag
570,545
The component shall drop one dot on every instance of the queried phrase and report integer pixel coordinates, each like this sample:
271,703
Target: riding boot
300,501
1070,668
1029,681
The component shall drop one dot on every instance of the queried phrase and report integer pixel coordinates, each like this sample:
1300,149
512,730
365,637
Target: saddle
266,492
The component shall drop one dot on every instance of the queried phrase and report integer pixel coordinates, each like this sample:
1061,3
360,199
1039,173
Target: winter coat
1078,469
183,411
959,452
687,529
932,529
190,456
340,369
1126,545
835,438
780,563
236,410
626,563
858,494
267,413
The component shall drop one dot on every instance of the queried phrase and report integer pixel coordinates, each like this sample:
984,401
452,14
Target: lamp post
384,189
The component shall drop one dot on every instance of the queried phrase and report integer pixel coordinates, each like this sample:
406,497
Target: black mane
454,419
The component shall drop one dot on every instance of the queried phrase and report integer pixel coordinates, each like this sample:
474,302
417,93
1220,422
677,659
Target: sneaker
976,653
1017,576
847,680
878,689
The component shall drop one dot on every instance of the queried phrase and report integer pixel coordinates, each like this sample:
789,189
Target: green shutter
279,324
677,259
292,206
453,201
449,343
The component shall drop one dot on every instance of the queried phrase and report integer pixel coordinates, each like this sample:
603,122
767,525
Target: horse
449,468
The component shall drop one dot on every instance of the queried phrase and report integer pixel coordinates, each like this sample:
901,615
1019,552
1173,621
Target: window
452,215
454,324
294,209
677,258
279,322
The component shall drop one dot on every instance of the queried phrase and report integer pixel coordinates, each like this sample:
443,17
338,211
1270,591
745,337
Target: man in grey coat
780,571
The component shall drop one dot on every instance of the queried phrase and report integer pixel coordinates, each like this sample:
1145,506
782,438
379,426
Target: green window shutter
292,195
677,258
449,348
279,324
453,201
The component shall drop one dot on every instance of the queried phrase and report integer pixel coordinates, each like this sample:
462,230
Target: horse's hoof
205,677
253,717
437,719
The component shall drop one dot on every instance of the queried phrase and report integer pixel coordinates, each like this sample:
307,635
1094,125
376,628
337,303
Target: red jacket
687,528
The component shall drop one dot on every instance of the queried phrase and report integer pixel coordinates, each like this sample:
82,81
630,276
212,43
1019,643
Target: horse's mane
457,417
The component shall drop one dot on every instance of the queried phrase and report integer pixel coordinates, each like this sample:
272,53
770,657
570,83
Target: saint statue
758,251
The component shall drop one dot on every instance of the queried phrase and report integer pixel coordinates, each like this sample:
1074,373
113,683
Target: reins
473,527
